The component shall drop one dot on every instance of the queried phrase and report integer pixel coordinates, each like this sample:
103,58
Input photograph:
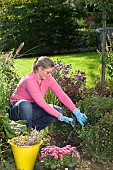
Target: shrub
108,88
97,135
71,83
88,40
39,24
97,139
96,107
8,76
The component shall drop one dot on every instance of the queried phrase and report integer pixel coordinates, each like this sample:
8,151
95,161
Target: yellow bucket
25,157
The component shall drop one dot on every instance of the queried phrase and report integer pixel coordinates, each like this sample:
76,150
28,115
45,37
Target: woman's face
43,73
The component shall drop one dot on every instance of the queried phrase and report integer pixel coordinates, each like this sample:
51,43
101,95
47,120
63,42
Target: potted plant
25,149
54,157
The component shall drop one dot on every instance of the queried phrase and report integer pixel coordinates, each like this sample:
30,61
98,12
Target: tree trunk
103,54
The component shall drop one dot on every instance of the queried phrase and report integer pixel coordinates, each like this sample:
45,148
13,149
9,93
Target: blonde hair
42,61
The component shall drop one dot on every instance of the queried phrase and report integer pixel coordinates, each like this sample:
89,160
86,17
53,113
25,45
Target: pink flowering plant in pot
53,157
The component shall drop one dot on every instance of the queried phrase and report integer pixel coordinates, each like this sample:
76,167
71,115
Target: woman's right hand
65,119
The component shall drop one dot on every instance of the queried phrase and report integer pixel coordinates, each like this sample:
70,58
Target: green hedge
46,27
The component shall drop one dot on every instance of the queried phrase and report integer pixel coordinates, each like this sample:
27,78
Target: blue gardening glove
81,118
65,119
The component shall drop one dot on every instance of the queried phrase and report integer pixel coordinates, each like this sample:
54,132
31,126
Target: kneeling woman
28,103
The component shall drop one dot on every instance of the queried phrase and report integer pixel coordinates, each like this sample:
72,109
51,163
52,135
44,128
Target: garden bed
87,164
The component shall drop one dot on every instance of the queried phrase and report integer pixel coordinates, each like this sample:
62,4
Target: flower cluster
54,157
71,82
32,138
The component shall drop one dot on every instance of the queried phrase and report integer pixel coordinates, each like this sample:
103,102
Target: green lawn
87,62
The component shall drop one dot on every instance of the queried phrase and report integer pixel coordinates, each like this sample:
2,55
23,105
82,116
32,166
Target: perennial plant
53,157
71,82
31,138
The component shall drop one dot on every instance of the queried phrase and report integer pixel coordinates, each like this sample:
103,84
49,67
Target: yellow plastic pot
25,157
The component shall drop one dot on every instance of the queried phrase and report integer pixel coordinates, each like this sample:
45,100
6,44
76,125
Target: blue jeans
34,114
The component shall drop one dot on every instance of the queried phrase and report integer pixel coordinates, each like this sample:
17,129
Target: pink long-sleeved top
30,90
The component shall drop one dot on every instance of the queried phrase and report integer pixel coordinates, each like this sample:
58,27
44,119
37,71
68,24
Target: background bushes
46,27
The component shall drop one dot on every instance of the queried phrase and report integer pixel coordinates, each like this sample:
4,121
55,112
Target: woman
27,102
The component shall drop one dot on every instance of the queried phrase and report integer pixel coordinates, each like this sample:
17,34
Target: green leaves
105,5
8,76
97,136
13,128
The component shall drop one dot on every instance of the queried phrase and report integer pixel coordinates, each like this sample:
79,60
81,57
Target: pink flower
55,153
56,157
78,154
61,155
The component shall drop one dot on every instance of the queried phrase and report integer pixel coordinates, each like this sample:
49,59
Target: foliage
96,107
109,59
97,135
97,139
108,88
109,64
6,158
9,78
12,128
19,135
8,75
86,40
39,24
71,83
8,129
53,157
105,5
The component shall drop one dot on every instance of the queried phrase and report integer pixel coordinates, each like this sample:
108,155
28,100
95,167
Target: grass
86,62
